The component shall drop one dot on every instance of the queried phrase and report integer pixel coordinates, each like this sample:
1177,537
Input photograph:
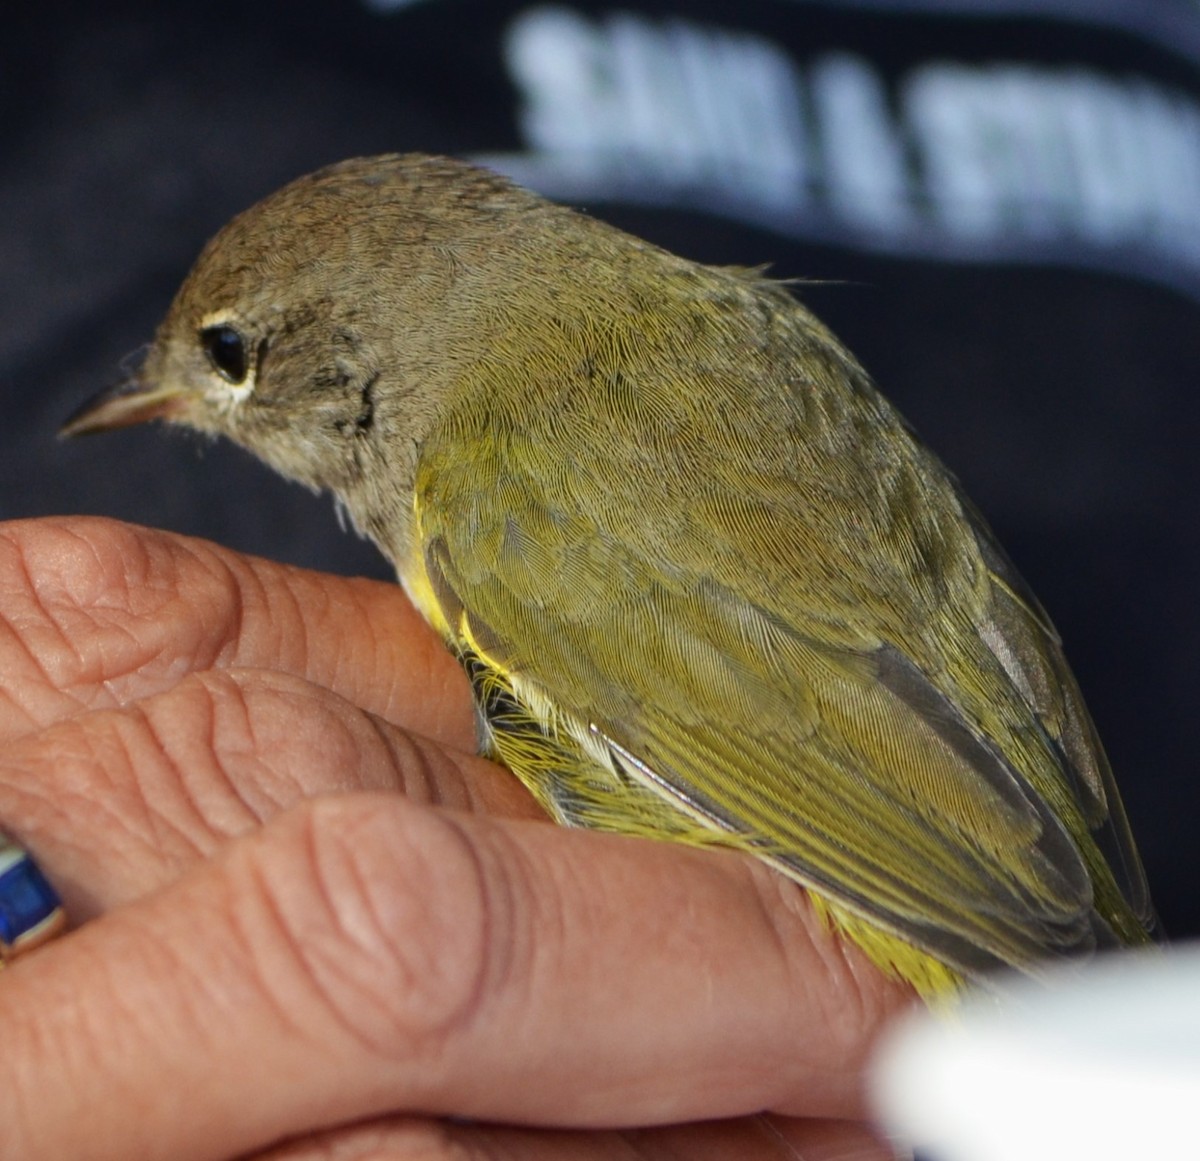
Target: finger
361,955
744,1139
114,803
97,613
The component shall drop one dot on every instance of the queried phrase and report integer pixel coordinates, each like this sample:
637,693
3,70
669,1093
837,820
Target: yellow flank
417,585
931,979
706,582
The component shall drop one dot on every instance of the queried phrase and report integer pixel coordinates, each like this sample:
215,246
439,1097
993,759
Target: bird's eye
226,351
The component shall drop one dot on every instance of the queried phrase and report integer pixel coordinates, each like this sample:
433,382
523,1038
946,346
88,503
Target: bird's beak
133,401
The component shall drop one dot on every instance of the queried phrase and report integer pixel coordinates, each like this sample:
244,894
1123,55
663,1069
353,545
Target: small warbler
706,583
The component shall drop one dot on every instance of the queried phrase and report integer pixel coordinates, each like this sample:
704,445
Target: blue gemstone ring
30,910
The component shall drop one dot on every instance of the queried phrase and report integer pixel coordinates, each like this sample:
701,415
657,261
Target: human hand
306,913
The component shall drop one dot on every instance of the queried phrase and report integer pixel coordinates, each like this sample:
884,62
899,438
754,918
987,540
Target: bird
707,583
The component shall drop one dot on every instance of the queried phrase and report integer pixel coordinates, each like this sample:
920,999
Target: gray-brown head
321,327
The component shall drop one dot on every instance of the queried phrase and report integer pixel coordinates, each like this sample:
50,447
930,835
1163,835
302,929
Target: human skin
310,923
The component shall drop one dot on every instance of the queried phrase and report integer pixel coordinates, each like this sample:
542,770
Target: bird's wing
1021,636
793,626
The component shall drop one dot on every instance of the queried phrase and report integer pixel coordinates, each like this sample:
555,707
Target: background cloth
998,203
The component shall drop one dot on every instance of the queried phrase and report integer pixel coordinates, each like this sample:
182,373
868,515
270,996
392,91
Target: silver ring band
30,910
